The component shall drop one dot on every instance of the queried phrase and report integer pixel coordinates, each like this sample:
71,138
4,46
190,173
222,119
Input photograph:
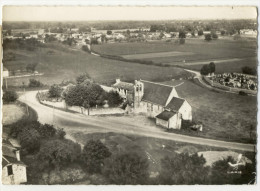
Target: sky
81,13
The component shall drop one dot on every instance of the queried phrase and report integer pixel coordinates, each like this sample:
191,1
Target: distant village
94,36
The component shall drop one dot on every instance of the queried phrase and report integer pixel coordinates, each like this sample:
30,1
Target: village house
5,72
157,100
13,169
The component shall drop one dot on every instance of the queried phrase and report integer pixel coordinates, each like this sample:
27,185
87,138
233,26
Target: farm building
13,169
157,101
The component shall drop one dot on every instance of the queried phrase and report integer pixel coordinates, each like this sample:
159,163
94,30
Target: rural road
81,124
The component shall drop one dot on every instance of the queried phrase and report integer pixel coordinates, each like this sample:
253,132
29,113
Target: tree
182,34
31,67
29,139
127,168
208,37
85,48
55,91
161,35
9,96
182,41
212,67
34,83
58,153
81,78
223,32
183,169
249,70
114,99
200,32
46,131
205,70
219,173
89,93
109,32
93,155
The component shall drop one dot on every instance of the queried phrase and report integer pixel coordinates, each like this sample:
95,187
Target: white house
13,169
5,72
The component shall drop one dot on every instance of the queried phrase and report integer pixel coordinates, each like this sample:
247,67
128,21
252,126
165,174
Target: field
224,115
66,64
190,55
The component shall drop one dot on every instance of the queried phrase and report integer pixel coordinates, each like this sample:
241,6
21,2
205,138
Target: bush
93,155
128,169
34,83
55,91
29,140
249,70
183,169
208,37
46,131
242,93
56,154
9,96
85,48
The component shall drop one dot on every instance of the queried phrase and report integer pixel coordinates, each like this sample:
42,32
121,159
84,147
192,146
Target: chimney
117,80
17,155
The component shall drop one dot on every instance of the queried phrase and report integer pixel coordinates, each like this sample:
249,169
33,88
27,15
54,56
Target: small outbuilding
169,119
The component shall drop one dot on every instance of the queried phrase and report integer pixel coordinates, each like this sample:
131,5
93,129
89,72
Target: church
157,100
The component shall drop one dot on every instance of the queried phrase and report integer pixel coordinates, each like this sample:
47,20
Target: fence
236,90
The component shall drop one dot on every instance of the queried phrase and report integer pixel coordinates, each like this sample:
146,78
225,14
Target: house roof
166,115
9,156
124,85
156,93
175,103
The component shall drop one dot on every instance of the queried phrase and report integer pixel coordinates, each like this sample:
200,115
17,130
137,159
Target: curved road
81,124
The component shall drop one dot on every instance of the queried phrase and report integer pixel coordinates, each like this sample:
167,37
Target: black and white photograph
129,95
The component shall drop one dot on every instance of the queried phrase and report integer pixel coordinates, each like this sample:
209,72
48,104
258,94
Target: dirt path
78,123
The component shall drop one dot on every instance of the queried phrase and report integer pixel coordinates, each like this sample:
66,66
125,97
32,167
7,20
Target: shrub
85,48
208,37
55,91
242,93
183,169
29,139
93,155
58,153
249,70
60,133
46,131
128,168
9,96
34,83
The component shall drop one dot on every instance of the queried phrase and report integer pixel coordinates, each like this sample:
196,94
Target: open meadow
65,63
190,54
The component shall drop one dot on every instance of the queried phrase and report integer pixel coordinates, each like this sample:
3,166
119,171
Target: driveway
78,123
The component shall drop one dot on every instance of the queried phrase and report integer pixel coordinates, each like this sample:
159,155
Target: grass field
66,64
194,50
224,115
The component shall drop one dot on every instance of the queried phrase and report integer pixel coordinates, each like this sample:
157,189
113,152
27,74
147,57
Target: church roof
175,103
156,93
166,115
